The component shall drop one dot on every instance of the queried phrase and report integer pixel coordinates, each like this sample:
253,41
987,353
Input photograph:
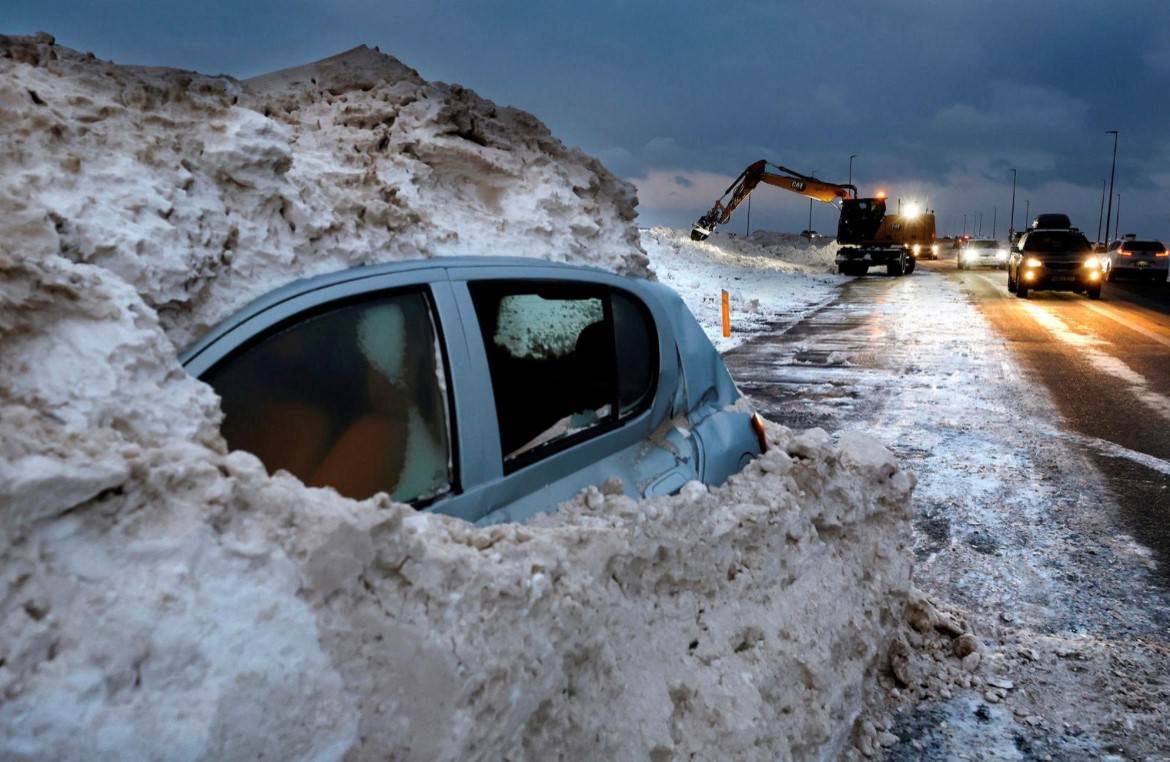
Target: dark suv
1054,260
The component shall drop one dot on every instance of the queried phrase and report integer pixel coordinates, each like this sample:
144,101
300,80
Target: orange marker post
726,313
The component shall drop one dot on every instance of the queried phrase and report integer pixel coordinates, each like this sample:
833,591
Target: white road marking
1114,450
1088,345
1112,315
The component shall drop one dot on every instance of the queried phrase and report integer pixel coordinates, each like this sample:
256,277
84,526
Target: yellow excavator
868,236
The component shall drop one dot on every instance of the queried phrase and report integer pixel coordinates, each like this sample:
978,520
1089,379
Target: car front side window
567,361
352,397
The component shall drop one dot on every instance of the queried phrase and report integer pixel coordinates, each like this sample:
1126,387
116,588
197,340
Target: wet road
1106,365
900,354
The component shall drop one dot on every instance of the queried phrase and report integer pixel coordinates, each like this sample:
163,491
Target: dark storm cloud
938,99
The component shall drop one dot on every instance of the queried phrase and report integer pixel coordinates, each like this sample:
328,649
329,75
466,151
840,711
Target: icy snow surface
772,279
161,597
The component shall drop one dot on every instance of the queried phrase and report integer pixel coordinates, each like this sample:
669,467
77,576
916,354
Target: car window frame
305,300
614,419
502,488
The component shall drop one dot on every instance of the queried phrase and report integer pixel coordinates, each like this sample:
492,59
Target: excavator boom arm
756,173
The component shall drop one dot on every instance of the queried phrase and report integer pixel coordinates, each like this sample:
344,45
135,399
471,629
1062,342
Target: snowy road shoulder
772,279
1012,523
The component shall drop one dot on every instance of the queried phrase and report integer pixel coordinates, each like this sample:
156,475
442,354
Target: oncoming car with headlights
488,388
1054,260
982,252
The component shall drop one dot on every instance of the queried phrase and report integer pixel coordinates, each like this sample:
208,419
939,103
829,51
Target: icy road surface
1039,430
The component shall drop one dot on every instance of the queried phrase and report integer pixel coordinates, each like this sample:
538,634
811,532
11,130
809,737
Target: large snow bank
162,597
204,192
772,279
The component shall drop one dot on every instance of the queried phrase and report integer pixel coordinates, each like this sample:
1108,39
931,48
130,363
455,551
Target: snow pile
162,596
204,192
771,278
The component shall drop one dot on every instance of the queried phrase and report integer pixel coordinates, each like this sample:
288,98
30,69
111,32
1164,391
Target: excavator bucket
700,233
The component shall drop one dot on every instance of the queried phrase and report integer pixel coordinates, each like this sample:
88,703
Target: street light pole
1112,168
1012,220
748,232
964,223
1117,220
994,215
1027,211
1101,213
852,156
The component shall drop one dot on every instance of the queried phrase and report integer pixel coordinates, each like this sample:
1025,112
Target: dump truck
867,234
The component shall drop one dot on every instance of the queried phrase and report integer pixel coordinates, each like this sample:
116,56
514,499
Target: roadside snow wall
161,597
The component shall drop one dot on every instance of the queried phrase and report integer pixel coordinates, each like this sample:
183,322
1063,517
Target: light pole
748,232
994,216
1101,213
1027,211
1117,219
1012,220
1112,168
852,156
964,223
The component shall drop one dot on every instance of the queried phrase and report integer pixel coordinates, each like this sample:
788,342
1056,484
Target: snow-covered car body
982,252
509,384
1130,258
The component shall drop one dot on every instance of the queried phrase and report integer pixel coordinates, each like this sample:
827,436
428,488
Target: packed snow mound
772,279
163,597
204,192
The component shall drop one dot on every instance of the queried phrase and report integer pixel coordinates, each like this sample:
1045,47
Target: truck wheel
1095,292
898,267
1021,291
913,264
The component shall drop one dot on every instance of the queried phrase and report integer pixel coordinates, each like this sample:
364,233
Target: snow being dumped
163,597
771,278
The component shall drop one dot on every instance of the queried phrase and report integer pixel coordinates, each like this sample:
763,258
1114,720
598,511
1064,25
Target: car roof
315,282
349,275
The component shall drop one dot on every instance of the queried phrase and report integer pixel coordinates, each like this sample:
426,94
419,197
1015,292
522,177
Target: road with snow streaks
1039,430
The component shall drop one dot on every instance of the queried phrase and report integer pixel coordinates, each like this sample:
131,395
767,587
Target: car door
348,382
581,372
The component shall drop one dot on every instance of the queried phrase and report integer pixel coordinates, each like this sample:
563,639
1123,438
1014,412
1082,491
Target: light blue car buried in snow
486,388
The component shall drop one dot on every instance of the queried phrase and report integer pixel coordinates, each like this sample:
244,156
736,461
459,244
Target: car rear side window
352,398
567,361
1144,247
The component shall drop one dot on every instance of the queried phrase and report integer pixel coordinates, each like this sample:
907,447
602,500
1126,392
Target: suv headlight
1093,263
917,248
1033,262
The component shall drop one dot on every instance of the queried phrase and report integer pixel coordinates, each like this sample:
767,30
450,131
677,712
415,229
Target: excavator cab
860,219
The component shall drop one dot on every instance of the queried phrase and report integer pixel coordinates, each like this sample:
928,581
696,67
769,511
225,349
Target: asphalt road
880,353
1106,365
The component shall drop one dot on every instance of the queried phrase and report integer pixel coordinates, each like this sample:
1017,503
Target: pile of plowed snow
163,597
204,192
772,279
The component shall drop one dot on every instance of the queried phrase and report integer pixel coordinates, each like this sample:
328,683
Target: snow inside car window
350,399
565,360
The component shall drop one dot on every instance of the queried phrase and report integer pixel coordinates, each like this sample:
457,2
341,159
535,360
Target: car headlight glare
1033,262
1093,263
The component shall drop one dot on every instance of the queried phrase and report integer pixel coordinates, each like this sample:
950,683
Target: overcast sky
938,98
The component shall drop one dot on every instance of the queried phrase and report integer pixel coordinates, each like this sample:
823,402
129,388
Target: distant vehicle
1054,260
486,388
1130,258
1051,222
982,252
810,234
868,236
